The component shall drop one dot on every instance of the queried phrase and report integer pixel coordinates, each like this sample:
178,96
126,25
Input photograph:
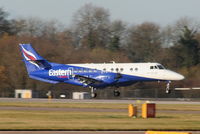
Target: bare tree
144,42
37,27
117,35
91,23
5,23
171,34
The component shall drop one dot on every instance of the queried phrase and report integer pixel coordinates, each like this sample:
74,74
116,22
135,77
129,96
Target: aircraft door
70,72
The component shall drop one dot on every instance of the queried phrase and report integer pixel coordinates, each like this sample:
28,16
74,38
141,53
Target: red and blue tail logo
32,59
28,55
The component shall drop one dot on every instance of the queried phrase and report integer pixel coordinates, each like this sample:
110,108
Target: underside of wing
87,80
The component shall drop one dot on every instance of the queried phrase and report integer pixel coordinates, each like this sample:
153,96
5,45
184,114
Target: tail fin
32,59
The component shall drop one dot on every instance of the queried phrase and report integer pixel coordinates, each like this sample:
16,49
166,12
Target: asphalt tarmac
119,101
72,132
81,132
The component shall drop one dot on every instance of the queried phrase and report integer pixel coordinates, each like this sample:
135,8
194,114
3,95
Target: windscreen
160,67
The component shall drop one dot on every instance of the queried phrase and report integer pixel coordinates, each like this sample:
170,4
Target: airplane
95,75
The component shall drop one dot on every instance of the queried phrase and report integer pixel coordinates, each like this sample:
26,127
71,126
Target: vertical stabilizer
32,59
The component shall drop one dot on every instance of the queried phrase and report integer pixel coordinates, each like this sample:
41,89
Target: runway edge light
165,132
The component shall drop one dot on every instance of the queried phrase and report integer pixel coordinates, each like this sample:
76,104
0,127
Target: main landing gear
168,91
116,93
93,94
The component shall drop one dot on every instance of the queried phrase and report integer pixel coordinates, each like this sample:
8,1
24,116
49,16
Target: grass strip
83,120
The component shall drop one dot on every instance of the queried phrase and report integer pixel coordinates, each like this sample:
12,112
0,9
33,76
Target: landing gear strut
93,94
168,91
116,93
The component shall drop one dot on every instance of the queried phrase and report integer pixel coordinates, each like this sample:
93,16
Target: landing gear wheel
168,91
93,95
116,93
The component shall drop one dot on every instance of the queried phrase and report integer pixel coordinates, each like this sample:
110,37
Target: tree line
93,37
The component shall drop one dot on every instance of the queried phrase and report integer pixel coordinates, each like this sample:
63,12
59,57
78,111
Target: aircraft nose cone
174,76
180,77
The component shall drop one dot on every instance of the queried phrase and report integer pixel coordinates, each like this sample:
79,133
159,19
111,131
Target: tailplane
32,59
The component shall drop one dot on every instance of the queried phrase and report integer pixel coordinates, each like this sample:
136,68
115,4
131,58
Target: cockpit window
160,67
157,67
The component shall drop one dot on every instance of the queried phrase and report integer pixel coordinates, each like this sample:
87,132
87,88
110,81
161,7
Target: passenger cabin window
136,69
117,69
112,69
131,69
104,69
121,69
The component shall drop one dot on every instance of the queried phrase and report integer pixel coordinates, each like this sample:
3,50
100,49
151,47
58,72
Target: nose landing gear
168,91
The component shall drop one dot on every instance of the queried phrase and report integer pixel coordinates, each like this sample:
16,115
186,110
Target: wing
87,80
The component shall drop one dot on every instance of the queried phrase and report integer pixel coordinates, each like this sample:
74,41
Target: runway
81,132
72,132
119,101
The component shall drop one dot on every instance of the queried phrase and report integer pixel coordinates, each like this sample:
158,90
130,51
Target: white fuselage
146,70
